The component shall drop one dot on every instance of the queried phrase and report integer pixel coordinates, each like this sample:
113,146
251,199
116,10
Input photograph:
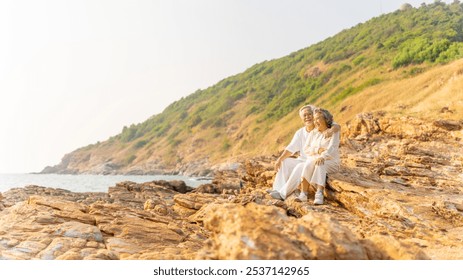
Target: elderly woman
322,156
288,168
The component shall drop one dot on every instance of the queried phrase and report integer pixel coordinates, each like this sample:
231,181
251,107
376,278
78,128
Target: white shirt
298,142
317,140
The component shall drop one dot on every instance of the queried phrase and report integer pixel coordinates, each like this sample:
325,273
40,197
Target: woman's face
320,122
307,117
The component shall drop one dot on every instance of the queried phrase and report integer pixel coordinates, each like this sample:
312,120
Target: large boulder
266,232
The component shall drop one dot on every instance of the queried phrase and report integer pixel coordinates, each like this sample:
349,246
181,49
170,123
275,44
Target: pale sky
75,72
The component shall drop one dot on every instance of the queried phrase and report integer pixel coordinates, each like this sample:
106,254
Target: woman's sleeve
332,148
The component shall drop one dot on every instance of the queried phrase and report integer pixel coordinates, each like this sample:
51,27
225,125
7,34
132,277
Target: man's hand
328,133
320,161
321,150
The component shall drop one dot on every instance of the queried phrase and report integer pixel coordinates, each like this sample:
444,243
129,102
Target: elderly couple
318,146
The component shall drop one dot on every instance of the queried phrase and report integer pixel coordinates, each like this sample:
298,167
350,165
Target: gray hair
311,107
326,114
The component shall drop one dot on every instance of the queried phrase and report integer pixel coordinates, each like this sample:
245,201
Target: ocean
86,183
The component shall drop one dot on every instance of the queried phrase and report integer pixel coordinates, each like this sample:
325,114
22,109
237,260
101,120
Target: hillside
404,63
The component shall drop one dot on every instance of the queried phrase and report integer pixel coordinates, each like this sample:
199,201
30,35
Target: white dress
288,176
316,174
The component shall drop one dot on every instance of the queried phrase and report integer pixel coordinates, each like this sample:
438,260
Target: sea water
86,183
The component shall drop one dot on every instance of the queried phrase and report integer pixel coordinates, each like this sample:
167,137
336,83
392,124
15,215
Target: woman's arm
333,147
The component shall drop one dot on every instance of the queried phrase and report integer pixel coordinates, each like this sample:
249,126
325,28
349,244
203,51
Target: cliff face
398,195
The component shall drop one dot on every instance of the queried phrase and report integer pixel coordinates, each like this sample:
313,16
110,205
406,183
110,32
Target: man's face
306,116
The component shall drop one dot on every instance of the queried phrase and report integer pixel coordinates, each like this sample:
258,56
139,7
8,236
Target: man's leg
283,174
293,181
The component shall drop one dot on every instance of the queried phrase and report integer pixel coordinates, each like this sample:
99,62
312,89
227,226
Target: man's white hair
311,107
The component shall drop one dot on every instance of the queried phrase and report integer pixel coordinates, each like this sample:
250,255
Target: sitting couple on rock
318,146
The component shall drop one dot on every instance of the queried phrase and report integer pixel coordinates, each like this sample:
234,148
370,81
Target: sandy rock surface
398,195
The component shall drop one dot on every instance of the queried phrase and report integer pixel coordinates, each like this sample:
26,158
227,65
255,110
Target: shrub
359,59
140,144
195,121
128,160
128,133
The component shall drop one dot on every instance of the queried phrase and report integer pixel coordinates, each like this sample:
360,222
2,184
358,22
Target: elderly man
288,168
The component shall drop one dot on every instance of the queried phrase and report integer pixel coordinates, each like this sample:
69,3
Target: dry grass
424,95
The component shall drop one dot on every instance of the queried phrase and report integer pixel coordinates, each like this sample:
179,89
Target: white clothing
316,174
289,175
298,142
317,140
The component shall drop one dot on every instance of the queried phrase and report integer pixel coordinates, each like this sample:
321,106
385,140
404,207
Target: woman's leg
307,172
319,197
319,178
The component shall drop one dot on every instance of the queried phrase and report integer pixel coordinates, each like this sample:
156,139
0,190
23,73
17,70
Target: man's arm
334,128
286,154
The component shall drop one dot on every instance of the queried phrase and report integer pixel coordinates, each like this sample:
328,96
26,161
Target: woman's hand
321,150
320,161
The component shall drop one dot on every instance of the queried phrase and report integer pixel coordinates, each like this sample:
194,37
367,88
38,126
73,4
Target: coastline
87,182
397,196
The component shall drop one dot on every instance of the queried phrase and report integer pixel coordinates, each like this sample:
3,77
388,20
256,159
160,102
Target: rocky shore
398,196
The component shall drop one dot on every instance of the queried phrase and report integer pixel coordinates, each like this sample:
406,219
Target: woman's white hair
326,114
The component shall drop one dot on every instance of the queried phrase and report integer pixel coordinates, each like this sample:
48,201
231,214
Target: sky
76,72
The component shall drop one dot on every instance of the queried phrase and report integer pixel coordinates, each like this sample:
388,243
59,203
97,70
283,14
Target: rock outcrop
398,195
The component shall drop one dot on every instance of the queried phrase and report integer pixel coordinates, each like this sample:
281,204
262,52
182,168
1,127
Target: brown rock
1,204
194,201
176,185
449,211
50,228
245,233
28,237
161,209
262,232
391,248
363,124
62,208
448,125
396,196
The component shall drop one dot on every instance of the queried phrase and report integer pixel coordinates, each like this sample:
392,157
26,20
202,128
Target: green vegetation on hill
234,115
